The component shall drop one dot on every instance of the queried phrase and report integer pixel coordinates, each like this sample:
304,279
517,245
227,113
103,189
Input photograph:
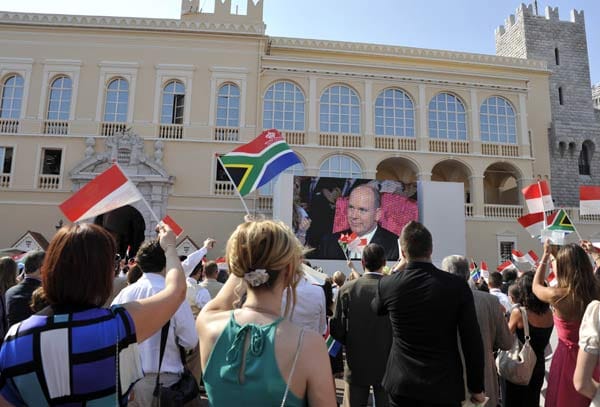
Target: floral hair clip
256,277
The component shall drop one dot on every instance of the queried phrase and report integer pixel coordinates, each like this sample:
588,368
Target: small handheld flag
507,265
589,200
533,223
485,273
109,190
560,221
173,225
256,163
538,198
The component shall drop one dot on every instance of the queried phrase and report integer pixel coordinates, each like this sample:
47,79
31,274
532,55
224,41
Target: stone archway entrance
127,225
146,172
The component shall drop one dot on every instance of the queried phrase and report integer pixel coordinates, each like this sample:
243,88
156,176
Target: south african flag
258,162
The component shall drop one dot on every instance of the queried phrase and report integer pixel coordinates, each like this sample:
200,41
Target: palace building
164,97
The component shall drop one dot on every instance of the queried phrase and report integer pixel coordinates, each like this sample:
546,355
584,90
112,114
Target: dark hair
198,269
134,274
151,257
509,275
373,257
416,240
33,261
78,267
8,274
211,269
527,298
514,292
328,290
495,280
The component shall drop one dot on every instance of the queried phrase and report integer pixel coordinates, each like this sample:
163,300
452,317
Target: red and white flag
507,265
485,272
533,223
173,225
538,197
551,277
109,190
589,200
534,257
519,257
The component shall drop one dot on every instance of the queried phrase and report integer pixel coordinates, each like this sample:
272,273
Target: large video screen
337,217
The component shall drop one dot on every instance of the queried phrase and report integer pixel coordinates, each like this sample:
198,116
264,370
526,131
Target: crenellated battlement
191,11
551,14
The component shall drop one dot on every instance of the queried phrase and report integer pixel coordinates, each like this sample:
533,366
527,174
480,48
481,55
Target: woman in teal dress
251,355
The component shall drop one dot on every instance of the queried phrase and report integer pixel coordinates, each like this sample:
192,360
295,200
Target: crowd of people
81,328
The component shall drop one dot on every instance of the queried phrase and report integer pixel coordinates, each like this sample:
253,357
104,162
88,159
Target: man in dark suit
18,297
427,307
367,337
364,212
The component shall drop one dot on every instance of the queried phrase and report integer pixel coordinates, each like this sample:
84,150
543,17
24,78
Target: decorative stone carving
148,174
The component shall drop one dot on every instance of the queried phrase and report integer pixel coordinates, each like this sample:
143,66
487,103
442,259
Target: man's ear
377,214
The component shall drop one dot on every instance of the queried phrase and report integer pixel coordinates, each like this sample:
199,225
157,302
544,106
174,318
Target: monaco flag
109,190
533,257
485,273
589,200
507,265
538,197
533,223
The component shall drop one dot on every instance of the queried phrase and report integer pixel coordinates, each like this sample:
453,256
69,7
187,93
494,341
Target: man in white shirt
151,259
495,285
194,258
310,310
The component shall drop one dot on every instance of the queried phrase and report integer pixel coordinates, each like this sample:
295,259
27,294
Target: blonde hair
268,245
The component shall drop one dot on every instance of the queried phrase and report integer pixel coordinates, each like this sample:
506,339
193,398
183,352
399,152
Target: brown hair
78,267
8,274
269,245
575,273
211,269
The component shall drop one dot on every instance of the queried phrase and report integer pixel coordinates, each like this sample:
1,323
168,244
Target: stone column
475,131
369,133
313,105
477,195
422,132
523,128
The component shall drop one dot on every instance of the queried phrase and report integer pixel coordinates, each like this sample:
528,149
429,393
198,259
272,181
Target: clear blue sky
458,25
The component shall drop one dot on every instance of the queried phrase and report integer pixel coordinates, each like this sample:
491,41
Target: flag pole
543,206
234,186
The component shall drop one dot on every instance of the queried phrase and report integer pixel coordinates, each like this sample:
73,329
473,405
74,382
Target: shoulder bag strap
163,343
525,323
289,380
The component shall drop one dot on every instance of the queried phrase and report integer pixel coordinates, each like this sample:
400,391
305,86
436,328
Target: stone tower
575,129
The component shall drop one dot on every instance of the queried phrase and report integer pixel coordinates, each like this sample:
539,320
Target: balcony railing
224,188
264,204
49,182
295,137
110,128
502,150
170,131
396,143
503,211
9,126
4,180
468,210
227,134
55,127
340,140
448,146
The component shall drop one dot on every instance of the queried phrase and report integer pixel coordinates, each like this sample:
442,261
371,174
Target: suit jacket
495,335
18,298
367,337
330,248
426,307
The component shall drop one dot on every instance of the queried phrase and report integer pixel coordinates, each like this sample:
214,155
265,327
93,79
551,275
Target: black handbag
185,389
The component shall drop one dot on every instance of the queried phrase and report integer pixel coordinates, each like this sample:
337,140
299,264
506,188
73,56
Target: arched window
447,118
497,121
283,107
228,106
340,110
59,102
173,103
585,158
117,101
394,114
340,166
267,189
12,96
